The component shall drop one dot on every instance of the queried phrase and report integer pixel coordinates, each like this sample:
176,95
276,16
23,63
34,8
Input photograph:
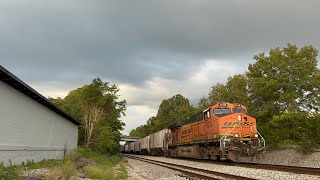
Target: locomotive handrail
224,136
264,141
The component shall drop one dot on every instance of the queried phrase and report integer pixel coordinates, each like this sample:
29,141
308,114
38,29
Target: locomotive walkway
190,172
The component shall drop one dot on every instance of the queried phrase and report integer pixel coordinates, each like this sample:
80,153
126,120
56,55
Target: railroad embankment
292,157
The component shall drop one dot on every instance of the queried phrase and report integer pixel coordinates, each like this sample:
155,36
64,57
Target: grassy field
81,162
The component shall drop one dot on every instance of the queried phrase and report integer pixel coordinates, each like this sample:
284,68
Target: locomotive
223,131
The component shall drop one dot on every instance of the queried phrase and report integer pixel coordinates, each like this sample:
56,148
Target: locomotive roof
199,116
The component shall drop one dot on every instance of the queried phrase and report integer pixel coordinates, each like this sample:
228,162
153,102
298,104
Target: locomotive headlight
236,135
239,117
256,135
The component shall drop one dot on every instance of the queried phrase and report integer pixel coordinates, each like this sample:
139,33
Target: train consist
222,132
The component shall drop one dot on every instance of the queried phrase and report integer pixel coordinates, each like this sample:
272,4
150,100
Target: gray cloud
133,41
143,45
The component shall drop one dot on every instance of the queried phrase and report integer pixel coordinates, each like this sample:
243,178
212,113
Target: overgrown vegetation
94,165
281,90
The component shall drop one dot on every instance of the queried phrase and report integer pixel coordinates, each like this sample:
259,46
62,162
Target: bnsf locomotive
222,132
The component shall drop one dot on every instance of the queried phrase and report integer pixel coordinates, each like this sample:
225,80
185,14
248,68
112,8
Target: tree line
280,89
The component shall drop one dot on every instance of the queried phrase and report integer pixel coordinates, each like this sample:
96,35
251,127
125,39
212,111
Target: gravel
138,170
36,174
292,157
241,171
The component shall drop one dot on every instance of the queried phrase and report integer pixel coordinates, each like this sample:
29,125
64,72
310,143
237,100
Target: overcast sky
151,49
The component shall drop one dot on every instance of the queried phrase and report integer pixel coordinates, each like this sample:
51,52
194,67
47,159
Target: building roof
13,81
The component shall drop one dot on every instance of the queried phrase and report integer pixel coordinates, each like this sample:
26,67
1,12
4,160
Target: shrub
291,129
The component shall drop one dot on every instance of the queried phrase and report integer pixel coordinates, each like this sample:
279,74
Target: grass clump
123,173
12,172
65,171
99,172
103,169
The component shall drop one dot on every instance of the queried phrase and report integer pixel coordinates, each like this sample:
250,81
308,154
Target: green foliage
12,172
103,169
105,136
171,110
234,91
42,164
293,129
123,173
285,81
99,172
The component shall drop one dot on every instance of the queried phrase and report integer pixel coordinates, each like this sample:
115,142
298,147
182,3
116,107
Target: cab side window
207,114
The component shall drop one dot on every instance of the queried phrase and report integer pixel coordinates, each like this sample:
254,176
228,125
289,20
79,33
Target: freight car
224,131
158,142
137,148
145,145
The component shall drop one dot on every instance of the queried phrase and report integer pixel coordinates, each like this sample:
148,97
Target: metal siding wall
31,131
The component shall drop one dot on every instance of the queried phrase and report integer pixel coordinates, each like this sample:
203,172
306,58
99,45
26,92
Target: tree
218,93
171,110
204,103
97,106
234,91
285,81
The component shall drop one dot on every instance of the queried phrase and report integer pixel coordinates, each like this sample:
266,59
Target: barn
31,127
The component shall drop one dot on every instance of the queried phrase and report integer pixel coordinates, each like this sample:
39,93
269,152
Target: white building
31,127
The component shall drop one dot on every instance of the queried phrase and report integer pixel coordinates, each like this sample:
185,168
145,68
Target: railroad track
282,168
292,169
190,172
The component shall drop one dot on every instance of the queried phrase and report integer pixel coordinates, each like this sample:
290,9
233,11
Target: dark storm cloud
131,41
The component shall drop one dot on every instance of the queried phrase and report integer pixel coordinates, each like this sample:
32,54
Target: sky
152,50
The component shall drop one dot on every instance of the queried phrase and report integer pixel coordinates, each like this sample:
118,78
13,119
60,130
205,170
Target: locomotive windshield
226,111
222,111
239,111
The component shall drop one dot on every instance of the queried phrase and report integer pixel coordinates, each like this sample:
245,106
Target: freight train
224,131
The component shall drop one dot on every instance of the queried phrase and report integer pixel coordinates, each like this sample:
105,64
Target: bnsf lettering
232,124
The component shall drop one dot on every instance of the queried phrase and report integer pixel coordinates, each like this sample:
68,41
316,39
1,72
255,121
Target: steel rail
281,168
291,169
173,166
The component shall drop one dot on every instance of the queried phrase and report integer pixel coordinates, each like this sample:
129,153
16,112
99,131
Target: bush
293,129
